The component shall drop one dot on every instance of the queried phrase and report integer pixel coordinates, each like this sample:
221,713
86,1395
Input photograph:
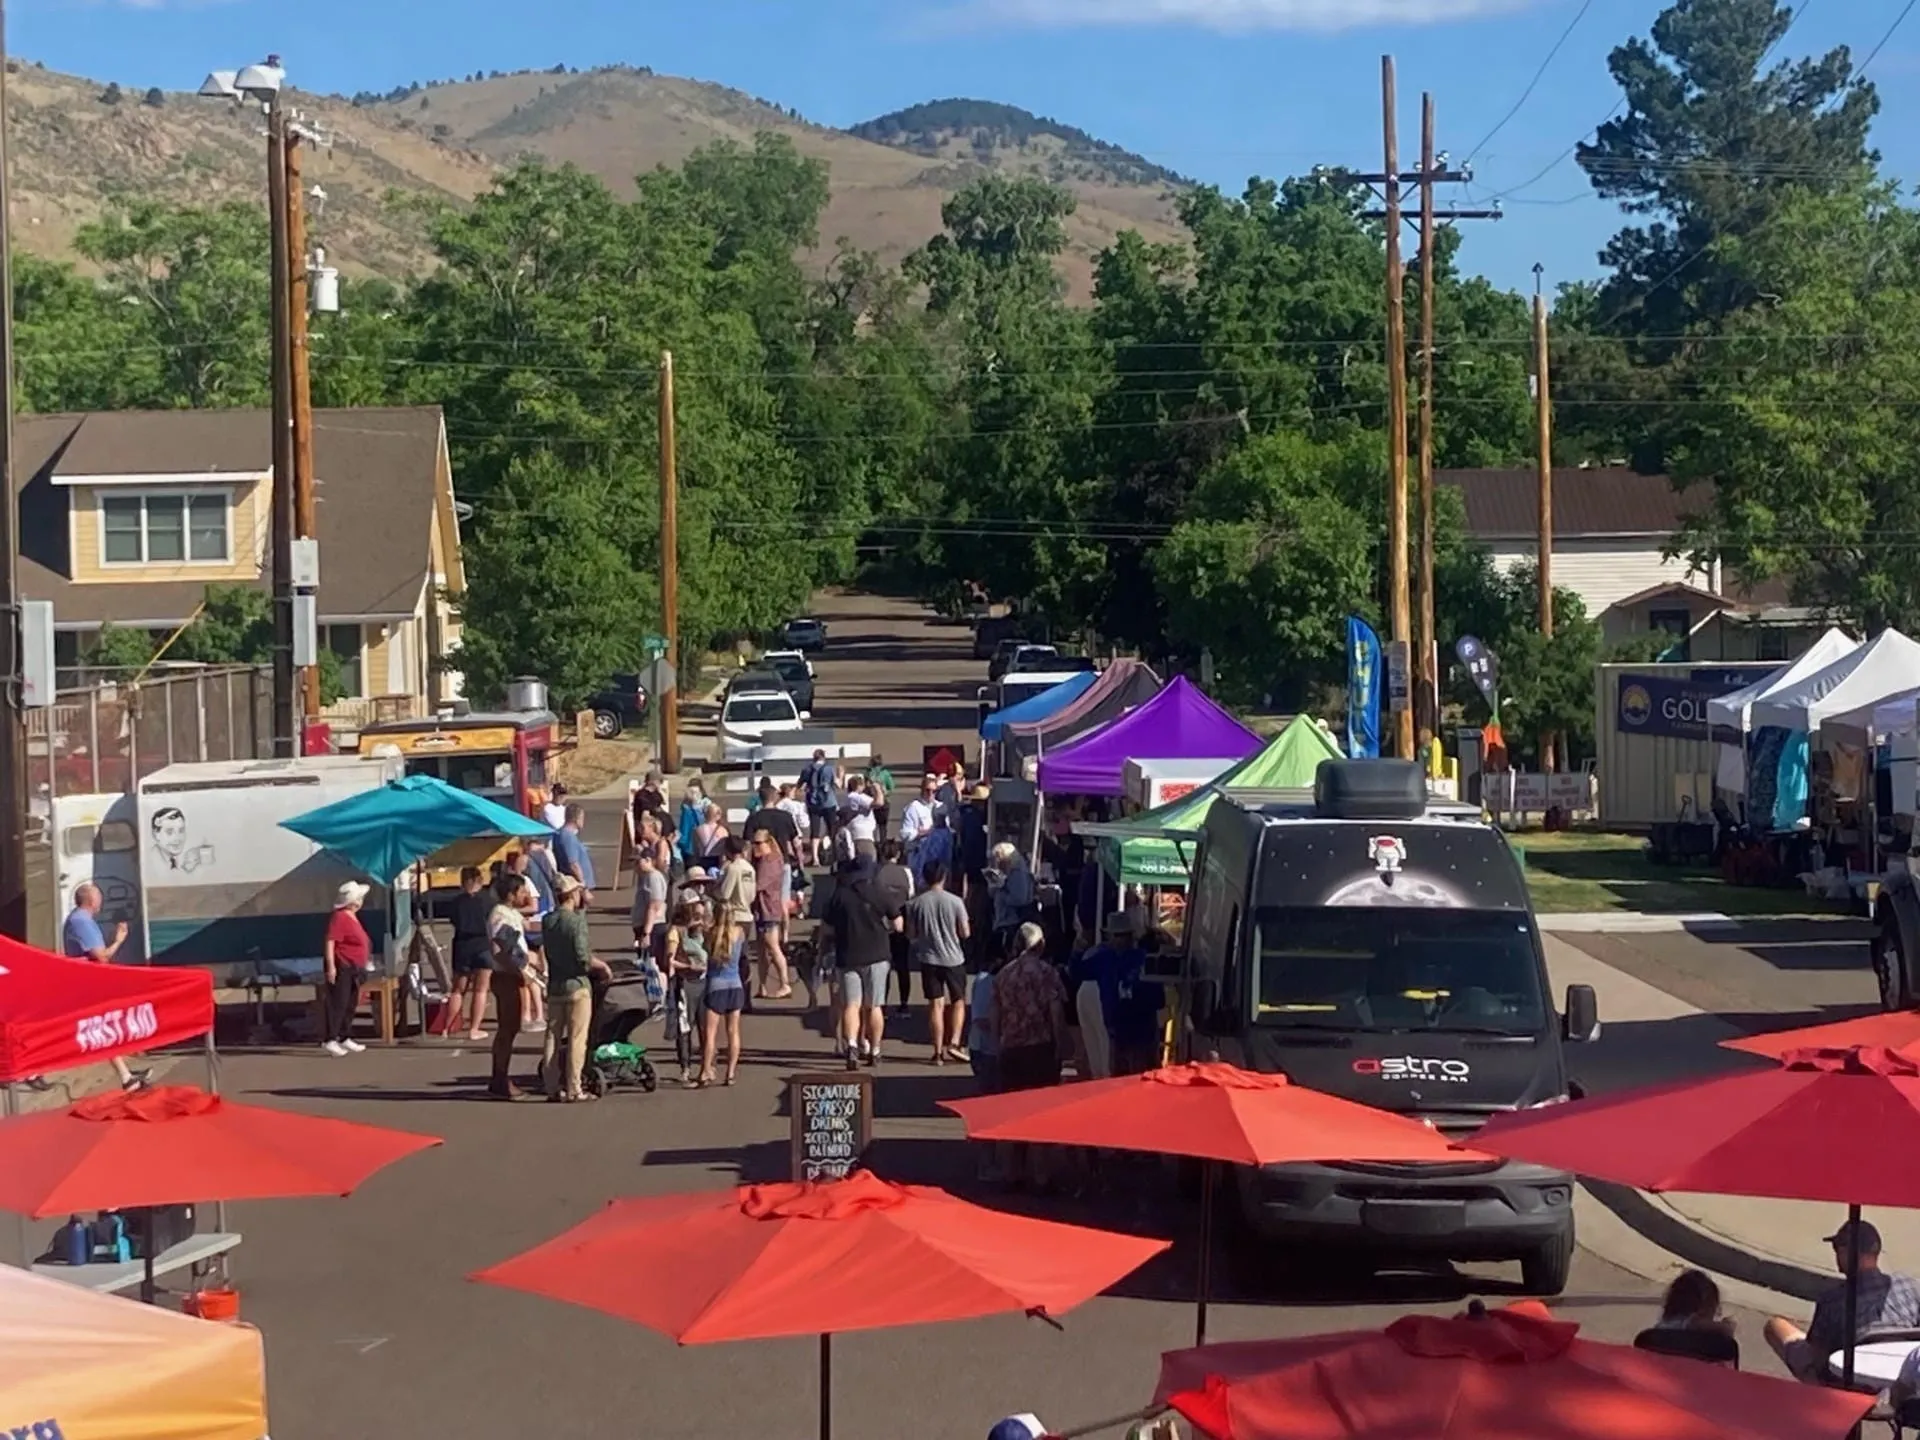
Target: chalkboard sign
832,1124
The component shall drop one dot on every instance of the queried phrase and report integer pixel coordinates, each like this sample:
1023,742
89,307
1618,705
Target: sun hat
351,892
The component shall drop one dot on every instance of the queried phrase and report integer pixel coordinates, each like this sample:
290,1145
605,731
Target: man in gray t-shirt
937,933
649,901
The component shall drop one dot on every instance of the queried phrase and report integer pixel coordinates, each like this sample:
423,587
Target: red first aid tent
57,1013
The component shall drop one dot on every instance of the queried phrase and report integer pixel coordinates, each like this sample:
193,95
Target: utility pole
1399,603
285,737
1434,171
1426,680
14,788
1543,412
304,519
669,702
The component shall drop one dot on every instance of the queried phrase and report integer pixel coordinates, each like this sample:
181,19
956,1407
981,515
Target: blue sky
1216,89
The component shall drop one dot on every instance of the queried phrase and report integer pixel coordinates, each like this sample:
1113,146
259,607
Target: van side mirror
1582,1020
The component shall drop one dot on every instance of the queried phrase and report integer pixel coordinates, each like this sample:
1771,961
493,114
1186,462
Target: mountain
1008,138
79,144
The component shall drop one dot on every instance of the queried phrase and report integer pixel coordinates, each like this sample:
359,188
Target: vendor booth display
57,1013
1039,707
1178,722
93,1367
1124,685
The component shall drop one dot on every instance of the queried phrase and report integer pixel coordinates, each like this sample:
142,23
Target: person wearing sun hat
344,958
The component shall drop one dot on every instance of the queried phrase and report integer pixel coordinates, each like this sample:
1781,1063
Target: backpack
819,786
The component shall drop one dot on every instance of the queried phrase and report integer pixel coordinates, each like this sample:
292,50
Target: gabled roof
1587,504
375,470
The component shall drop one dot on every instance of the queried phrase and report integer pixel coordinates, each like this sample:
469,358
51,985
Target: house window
164,529
344,641
1771,643
1678,624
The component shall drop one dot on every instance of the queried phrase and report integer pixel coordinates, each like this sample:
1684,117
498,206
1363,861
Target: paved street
372,1328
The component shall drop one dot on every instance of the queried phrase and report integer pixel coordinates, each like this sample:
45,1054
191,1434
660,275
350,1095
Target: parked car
792,679
1032,659
805,634
1012,649
750,715
621,706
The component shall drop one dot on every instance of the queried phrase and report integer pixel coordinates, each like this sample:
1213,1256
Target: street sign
1399,686
658,677
655,646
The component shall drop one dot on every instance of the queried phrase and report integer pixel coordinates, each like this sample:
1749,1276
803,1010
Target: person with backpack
820,787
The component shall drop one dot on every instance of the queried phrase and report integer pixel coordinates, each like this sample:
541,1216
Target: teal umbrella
381,832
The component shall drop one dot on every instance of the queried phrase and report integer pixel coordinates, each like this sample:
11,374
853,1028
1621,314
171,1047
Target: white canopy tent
1891,716
1886,666
1731,712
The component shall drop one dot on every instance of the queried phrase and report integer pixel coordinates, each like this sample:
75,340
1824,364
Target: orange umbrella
811,1259
1897,1030
173,1145
1513,1374
1213,1112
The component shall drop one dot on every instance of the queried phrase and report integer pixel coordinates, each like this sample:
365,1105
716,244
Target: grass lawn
1586,872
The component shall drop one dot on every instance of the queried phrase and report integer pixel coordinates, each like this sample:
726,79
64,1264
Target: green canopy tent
1146,849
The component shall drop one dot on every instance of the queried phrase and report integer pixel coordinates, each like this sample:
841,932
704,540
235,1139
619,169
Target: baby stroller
616,1057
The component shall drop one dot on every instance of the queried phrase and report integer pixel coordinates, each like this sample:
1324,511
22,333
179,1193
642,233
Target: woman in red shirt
346,953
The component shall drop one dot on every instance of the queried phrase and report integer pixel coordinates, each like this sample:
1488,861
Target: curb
1630,923
1659,1224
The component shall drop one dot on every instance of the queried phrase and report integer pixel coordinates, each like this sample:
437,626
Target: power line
1874,54
1532,84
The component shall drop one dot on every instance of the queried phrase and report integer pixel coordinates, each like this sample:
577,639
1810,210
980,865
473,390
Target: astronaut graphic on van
169,842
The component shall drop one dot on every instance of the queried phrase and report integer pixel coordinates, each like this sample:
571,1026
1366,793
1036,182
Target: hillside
1009,138
78,144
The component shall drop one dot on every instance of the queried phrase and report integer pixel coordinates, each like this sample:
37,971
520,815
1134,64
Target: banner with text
1676,704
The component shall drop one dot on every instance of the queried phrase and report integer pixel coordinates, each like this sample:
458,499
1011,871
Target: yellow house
127,516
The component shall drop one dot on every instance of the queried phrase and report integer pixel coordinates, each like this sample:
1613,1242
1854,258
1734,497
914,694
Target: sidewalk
1648,1036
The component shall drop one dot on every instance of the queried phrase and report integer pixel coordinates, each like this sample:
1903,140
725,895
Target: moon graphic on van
1406,890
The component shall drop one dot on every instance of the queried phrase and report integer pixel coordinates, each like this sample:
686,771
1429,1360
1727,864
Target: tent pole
148,1292
826,1387
1207,1168
1853,1296
10,1107
213,1088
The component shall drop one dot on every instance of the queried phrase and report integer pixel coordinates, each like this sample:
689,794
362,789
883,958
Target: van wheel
1890,964
1545,1270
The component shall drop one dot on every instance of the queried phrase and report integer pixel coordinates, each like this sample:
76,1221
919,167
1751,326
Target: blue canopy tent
384,831
1038,707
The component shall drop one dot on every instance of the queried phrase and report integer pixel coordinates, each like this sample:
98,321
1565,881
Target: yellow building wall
374,659
246,541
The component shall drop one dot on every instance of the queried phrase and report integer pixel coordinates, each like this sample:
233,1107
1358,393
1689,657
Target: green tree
115,647
77,348
235,627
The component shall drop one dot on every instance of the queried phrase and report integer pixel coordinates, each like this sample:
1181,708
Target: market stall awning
57,1013
1038,707
1732,712
1178,722
1886,666
1122,686
97,1365
1155,847
384,831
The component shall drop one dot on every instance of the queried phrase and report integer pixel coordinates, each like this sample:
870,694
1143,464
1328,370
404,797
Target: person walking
693,809
650,799
726,996
895,882
771,875
937,934
507,935
859,924
571,966
81,939
820,789
344,955
710,834
880,787
649,911
683,958
570,851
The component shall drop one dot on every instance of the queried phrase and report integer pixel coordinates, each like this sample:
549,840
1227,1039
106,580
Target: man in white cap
344,956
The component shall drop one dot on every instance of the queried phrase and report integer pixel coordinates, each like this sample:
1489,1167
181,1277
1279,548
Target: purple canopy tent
1122,686
1179,723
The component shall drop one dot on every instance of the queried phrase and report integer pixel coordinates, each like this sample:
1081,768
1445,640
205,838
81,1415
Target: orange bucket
221,1303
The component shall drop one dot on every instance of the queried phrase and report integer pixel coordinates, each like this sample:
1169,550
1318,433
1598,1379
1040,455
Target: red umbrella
1513,1374
173,1145
813,1259
1216,1113
1835,1125
1890,1030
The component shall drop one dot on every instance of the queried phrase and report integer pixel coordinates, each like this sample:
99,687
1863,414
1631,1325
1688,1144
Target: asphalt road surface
373,1329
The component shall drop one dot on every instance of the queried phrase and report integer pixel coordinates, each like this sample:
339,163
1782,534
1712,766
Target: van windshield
1398,968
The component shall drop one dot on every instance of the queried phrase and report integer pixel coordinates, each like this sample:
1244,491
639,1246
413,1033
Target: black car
621,705
793,673
804,634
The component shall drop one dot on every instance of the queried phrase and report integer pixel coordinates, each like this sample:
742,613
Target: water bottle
76,1239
